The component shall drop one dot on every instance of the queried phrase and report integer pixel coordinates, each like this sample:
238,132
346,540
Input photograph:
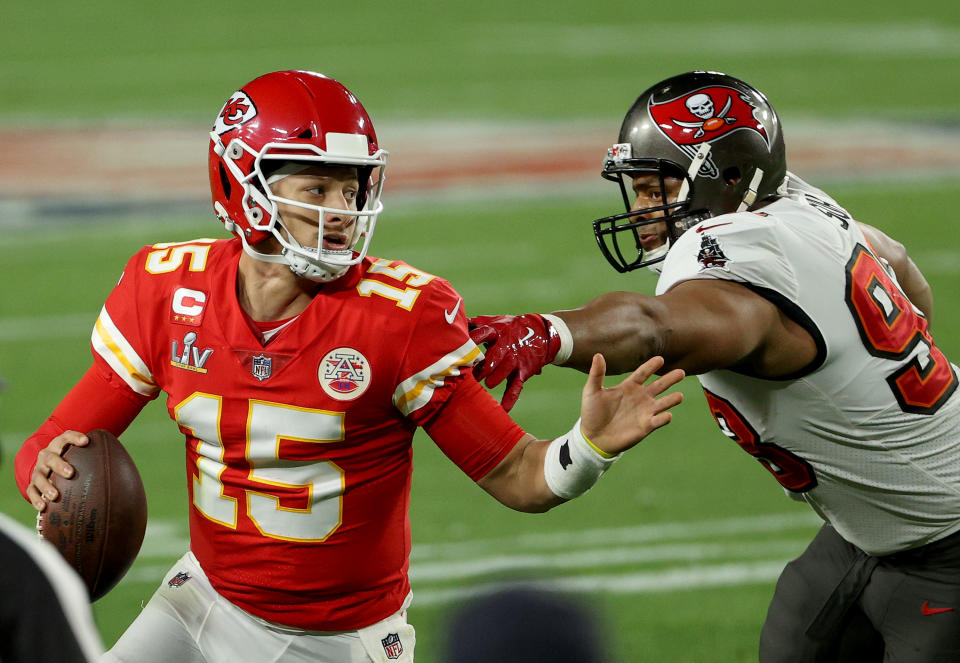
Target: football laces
40,524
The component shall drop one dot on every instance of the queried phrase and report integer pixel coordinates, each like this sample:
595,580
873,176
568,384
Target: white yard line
45,327
644,582
658,532
561,569
166,537
604,557
670,579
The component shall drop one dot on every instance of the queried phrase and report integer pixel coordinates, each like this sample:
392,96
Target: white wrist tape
566,338
573,464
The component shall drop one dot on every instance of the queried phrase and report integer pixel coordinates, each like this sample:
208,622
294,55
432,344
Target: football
98,522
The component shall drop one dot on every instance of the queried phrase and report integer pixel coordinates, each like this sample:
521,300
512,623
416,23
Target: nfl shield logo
262,367
178,580
391,645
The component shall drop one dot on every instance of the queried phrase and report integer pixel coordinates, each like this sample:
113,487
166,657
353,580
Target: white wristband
566,338
573,464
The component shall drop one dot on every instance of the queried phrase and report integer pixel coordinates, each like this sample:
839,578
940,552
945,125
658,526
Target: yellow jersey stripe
417,390
110,344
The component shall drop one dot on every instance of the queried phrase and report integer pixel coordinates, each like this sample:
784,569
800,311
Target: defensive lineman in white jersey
810,334
887,478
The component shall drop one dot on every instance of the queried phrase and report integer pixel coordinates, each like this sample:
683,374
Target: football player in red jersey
809,333
298,367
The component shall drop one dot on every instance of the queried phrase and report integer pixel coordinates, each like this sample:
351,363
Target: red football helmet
305,118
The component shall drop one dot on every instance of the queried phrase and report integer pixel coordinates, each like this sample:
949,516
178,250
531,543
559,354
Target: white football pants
189,622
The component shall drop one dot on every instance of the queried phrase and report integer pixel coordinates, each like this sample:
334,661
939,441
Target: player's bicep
708,324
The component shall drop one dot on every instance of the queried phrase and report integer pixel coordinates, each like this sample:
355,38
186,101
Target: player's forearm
519,481
622,326
94,402
909,276
916,287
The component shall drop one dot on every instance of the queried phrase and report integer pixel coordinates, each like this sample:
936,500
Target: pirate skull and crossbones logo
701,105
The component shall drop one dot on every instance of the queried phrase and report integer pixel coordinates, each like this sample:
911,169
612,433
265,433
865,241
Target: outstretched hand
617,418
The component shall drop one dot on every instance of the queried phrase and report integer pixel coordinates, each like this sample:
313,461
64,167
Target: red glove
518,347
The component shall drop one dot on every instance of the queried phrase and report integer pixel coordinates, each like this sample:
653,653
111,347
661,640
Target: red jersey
298,450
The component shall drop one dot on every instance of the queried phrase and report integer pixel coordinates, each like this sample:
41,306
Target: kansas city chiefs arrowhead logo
239,110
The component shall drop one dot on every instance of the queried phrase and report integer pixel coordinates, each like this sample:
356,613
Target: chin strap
695,164
297,264
311,267
661,251
751,195
314,271
692,171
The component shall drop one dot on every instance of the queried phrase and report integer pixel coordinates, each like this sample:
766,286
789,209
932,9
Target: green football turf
499,58
684,535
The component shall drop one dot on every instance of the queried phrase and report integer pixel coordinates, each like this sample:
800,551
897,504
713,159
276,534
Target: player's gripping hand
49,460
617,418
518,347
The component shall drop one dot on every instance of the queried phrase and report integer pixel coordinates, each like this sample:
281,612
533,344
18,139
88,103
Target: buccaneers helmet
278,124
717,134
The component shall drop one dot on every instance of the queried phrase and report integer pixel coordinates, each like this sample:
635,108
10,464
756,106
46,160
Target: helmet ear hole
732,175
364,174
224,181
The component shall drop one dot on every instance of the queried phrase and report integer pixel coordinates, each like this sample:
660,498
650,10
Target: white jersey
869,433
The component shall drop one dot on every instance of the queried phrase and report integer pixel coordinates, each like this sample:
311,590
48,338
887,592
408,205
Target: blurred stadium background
497,115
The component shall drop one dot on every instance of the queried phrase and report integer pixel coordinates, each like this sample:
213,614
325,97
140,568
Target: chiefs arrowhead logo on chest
705,115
